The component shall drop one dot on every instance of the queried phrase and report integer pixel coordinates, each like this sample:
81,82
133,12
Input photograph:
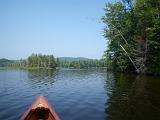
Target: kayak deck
40,110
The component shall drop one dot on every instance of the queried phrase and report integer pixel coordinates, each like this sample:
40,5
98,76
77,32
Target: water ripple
94,94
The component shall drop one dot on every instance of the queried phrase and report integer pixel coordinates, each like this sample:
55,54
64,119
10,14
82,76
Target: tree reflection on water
133,98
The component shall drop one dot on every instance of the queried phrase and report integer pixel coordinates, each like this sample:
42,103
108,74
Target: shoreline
25,68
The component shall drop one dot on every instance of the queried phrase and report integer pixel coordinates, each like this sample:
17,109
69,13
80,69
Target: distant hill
71,59
5,62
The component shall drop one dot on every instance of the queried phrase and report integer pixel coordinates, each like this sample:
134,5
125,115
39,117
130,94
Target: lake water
93,94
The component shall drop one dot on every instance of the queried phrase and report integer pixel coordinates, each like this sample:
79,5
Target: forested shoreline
33,61
132,32
37,61
85,63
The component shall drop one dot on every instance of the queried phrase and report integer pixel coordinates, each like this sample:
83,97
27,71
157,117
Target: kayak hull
40,110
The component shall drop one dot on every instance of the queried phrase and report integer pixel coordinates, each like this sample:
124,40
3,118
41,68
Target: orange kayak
40,110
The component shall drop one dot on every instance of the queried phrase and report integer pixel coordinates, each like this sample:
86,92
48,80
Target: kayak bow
40,110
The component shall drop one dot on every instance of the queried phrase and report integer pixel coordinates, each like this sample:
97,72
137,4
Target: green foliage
153,59
81,63
41,61
117,21
132,34
32,62
48,61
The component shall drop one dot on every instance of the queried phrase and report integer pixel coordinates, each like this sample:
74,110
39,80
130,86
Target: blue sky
59,27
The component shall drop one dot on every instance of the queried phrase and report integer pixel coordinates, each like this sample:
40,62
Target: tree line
44,61
132,32
36,61
88,63
49,61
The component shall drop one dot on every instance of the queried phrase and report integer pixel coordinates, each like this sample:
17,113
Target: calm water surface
81,94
